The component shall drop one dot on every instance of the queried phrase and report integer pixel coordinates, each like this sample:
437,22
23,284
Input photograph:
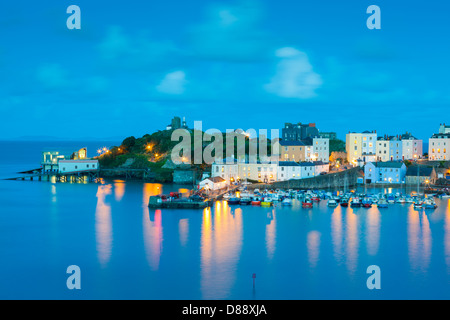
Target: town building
328,135
419,175
177,124
412,148
385,172
228,170
443,128
72,166
258,171
50,160
298,131
212,183
288,170
438,146
389,148
361,146
309,149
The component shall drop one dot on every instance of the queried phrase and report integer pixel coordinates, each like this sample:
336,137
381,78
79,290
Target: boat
256,201
267,202
245,200
307,203
286,202
332,203
409,200
418,204
227,196
315,198
234,200
391,198
382,203
366,203
429,204
355,202
344,202
401,200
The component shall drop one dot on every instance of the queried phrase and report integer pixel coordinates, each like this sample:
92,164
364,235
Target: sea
124,250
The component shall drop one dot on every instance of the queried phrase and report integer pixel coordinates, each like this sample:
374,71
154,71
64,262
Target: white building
213,183
412,148
320,150
261,172
288,170
389,148
385,172
438,147
228,170
73,166
361,146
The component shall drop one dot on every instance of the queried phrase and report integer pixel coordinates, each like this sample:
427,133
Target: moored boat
234,200
382,203
332,203
307,203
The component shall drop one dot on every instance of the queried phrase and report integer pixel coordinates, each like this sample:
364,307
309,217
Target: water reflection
221,243
419,240
119,189
103,225
313,245
271,234
183,229
447,234
373,230
336,233
152,225
352,240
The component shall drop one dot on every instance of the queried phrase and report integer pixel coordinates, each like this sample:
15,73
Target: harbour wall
343,179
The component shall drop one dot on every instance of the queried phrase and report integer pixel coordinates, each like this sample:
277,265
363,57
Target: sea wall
343,179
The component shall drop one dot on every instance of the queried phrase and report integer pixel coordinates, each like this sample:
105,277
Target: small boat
382,203
409,200
332,203
245,200
355,202
401,200
307,203
227,196
366,203
344,202
256,201
286,202
267,202
391,199
315,198
418,204
429,204
234,200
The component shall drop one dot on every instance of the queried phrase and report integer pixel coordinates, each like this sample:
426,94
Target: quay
73,176
186,203
156,202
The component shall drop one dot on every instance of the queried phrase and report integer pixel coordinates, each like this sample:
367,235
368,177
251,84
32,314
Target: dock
156,202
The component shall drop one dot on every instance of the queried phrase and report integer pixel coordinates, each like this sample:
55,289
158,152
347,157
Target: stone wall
343,179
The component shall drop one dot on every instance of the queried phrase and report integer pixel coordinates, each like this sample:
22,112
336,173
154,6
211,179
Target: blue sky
232,64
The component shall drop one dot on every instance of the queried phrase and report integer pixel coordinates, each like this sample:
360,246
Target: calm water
126,251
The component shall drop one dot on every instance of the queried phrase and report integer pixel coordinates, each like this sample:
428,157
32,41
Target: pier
75,176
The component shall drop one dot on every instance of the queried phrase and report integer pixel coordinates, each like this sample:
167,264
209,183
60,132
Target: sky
245,64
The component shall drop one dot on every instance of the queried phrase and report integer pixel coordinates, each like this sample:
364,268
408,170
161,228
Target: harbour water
127,251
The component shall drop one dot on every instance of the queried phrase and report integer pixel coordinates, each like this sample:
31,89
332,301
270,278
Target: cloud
294,76
231,33
137,51
173,83
52,76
